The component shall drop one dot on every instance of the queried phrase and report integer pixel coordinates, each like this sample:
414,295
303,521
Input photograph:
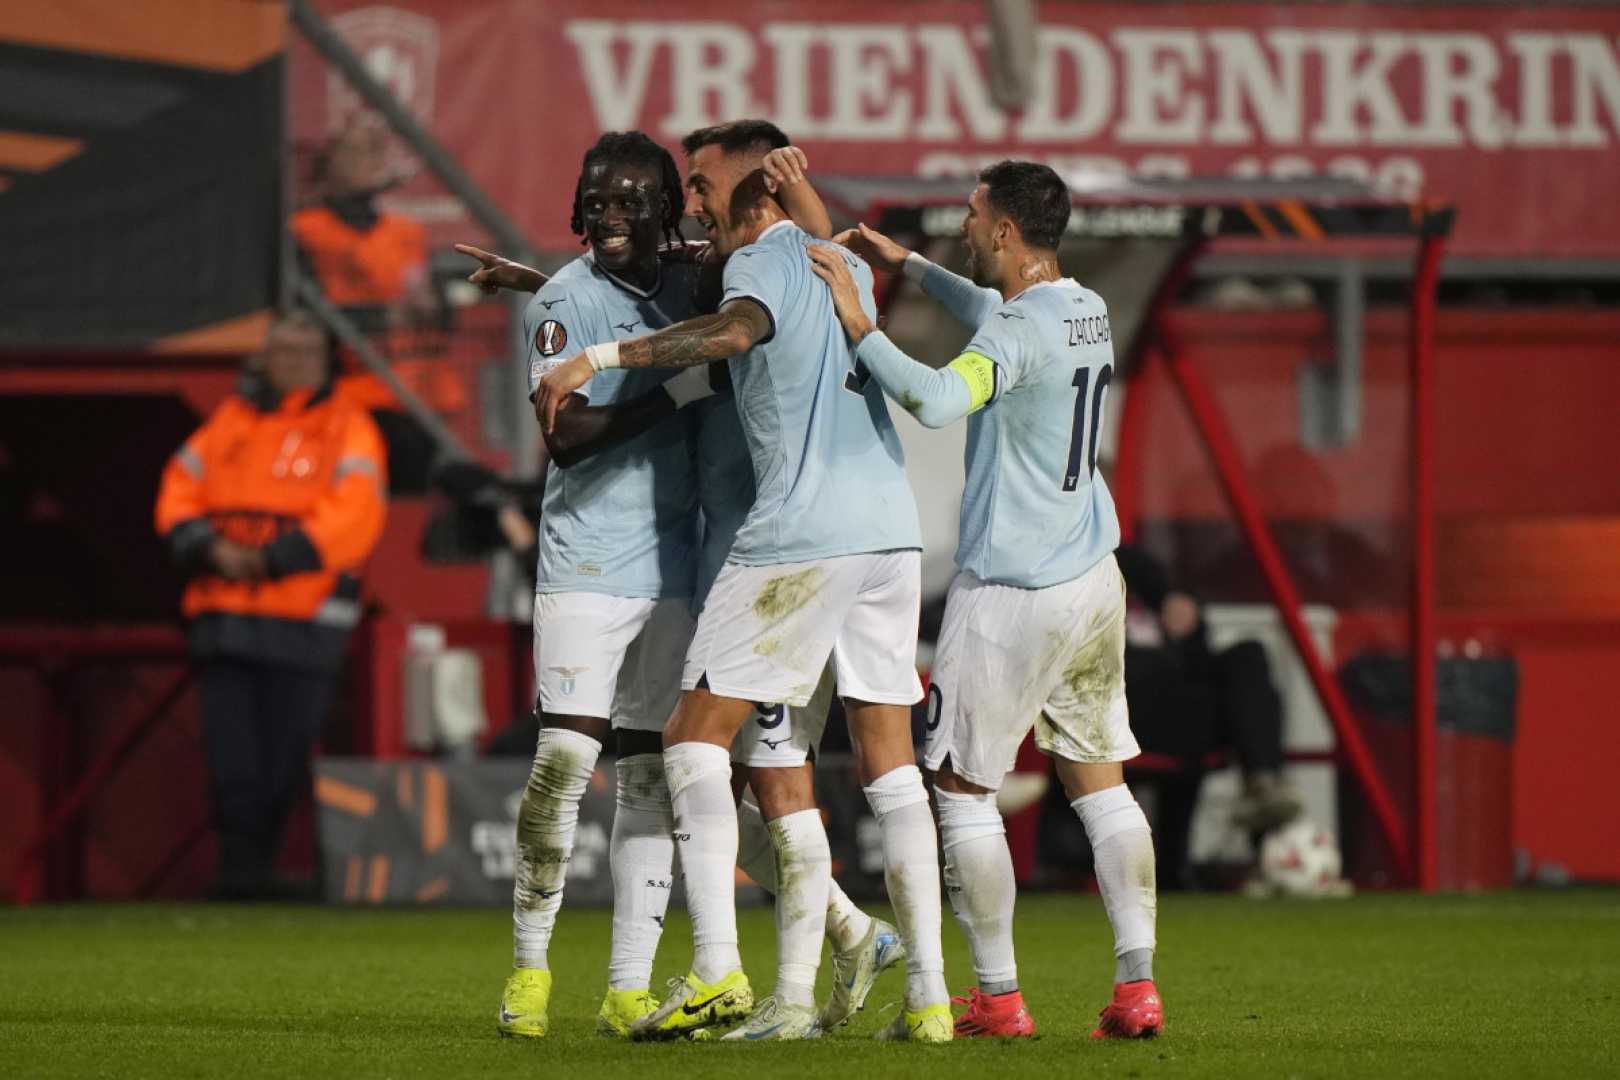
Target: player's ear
1003,234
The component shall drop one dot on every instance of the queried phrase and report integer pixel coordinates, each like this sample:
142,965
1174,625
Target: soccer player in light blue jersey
826,563
618,552
1034,628
774,753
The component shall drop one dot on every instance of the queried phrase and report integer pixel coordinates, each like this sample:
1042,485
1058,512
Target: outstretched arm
968,303
934,397
497,272
737,327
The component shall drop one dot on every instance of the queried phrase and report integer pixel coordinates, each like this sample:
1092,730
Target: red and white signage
1512,114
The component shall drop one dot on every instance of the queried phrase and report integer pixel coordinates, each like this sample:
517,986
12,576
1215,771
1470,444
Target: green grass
1508,985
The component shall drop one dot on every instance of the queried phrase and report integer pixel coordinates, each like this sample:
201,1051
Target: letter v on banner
616,96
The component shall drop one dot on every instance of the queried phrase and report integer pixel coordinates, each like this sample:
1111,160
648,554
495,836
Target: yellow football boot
693,1004
523,1003
621,1009
931,1024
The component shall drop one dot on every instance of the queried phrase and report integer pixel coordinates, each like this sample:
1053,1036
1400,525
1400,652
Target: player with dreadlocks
612,607
558,324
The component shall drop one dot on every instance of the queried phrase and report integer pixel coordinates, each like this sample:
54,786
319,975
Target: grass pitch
1508,985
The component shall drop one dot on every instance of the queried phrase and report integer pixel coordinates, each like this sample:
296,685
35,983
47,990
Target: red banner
1512,114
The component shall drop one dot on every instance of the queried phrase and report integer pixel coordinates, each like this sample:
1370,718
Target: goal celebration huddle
728,540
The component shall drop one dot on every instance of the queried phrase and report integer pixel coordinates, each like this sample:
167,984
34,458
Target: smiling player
618,548
1035,618
826,563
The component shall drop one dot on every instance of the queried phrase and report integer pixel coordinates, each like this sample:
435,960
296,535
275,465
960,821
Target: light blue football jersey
829,474
622,521
1034,510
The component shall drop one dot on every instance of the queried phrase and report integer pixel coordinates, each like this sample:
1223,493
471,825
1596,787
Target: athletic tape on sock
641,783
895,790
1109,812
688,762
964,817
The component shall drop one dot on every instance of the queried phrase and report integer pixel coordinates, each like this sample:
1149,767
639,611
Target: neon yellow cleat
693,1004
621,1009
523,1003
932,1024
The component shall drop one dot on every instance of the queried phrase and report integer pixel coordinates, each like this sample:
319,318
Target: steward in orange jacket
274,504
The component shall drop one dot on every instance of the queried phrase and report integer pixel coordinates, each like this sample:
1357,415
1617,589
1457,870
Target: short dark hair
633,148
1033,196
736,136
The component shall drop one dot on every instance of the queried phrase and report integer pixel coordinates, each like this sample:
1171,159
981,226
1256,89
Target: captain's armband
979,372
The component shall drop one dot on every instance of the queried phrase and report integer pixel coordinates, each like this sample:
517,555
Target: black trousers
260,723
1189,702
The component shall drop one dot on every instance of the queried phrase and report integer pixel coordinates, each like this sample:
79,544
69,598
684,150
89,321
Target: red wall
1524,482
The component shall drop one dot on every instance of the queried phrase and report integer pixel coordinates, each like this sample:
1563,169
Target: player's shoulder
1068,293
570,291
784,244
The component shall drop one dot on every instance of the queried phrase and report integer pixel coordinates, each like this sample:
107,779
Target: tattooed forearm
727,333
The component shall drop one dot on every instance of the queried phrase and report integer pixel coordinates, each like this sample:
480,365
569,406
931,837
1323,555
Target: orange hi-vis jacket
303,479
370,267
356,266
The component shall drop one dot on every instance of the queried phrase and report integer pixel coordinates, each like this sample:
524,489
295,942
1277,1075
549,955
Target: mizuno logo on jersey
549,304
625,326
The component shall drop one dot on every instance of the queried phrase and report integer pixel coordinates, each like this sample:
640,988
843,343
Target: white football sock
979,881
911,870
846,923
755,854
699,776
642,857
803,871
563,763
1122,850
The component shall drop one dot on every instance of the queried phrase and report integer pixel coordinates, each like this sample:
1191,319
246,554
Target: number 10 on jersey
1083,446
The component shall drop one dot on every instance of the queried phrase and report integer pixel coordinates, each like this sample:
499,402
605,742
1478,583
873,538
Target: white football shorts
785,736
1010,658
615,657
767,631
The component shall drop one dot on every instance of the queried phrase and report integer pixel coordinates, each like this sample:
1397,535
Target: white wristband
603,357
691,385
915,267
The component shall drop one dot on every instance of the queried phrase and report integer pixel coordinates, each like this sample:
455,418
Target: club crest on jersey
551,338
565,684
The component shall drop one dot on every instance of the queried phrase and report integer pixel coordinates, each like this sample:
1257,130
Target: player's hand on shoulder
831,264
786,166
878,250
496,272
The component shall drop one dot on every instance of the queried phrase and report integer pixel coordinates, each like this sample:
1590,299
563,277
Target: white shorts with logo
615,657
785,736
1010,658
766,631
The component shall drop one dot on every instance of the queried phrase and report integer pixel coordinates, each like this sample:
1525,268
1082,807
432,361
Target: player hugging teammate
810,581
